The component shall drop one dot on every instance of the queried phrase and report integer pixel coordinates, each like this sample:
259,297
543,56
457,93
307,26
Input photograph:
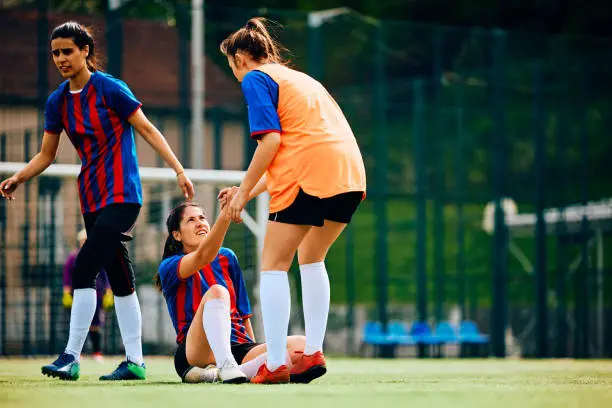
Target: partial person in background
104,296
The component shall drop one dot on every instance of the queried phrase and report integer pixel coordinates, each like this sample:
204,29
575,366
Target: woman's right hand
225,195
8,187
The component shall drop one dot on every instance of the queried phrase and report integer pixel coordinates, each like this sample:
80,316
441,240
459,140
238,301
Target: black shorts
310,210
107,231
181,365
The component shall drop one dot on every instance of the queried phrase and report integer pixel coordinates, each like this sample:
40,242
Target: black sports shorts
310,210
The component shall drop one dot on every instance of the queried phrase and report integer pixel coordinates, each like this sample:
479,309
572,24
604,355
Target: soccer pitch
349,383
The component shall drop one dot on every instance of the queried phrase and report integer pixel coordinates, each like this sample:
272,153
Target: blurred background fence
448,120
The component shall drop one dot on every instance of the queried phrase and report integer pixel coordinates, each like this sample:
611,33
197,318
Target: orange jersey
318,151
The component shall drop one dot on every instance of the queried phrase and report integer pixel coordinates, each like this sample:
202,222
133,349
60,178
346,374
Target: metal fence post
582,301
459,197
499,313
3,249
25,274
182,26
539,168
114,40
380,203
439,187
421,205
561,230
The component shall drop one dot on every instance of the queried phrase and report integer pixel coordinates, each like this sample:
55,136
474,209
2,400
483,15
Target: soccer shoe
230,373
126,371
265,376
66,367
195,375
308,367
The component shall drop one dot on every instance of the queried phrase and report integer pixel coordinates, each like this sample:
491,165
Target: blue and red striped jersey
183,296
96,122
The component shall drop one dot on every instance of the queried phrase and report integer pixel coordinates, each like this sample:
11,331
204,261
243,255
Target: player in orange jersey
307,158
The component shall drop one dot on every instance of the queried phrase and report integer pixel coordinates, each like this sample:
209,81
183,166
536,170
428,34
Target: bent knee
217,292
308,254
296,344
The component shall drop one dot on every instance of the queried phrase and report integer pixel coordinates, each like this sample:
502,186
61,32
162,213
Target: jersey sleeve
53,117
169,273
242,297
261,96
120,98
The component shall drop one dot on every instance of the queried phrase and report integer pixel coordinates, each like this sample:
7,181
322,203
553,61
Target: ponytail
172,247
254,39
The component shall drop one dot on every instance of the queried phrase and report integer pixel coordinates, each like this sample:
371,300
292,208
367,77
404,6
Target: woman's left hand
239,201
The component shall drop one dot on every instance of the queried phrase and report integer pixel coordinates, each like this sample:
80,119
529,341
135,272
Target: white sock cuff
312,267
84,290
126,300
275,273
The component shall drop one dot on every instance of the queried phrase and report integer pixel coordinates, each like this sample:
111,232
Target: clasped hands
233,200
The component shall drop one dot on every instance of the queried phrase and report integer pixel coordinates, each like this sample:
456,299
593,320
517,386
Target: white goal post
256,224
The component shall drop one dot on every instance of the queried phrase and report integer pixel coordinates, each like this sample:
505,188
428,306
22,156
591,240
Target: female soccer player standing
98,113
316,178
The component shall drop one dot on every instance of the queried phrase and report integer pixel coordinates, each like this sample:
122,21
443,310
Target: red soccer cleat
265,376
308,367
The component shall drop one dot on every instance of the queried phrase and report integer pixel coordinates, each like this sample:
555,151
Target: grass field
349,383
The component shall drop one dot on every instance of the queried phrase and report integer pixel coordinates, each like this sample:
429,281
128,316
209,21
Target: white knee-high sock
130,326
218,329
315,300
81,315
251,367
275,307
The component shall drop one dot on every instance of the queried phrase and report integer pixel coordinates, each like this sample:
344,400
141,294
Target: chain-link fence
448,120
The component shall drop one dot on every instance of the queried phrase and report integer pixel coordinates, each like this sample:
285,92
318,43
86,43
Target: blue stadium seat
373,334
422,334
446,333
399,334
470,334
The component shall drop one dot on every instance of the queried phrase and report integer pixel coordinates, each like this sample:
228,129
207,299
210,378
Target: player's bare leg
315,297
280,245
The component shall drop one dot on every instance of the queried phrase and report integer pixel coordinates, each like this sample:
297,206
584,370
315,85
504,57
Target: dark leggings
107,231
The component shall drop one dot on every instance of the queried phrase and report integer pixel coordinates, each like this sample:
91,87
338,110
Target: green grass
349,383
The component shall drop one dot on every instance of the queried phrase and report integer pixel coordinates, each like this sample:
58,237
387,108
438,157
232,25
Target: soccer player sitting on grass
208,303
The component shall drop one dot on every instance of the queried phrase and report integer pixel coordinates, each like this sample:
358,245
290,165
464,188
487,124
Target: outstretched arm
158,142
37,165
264,154
208,248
